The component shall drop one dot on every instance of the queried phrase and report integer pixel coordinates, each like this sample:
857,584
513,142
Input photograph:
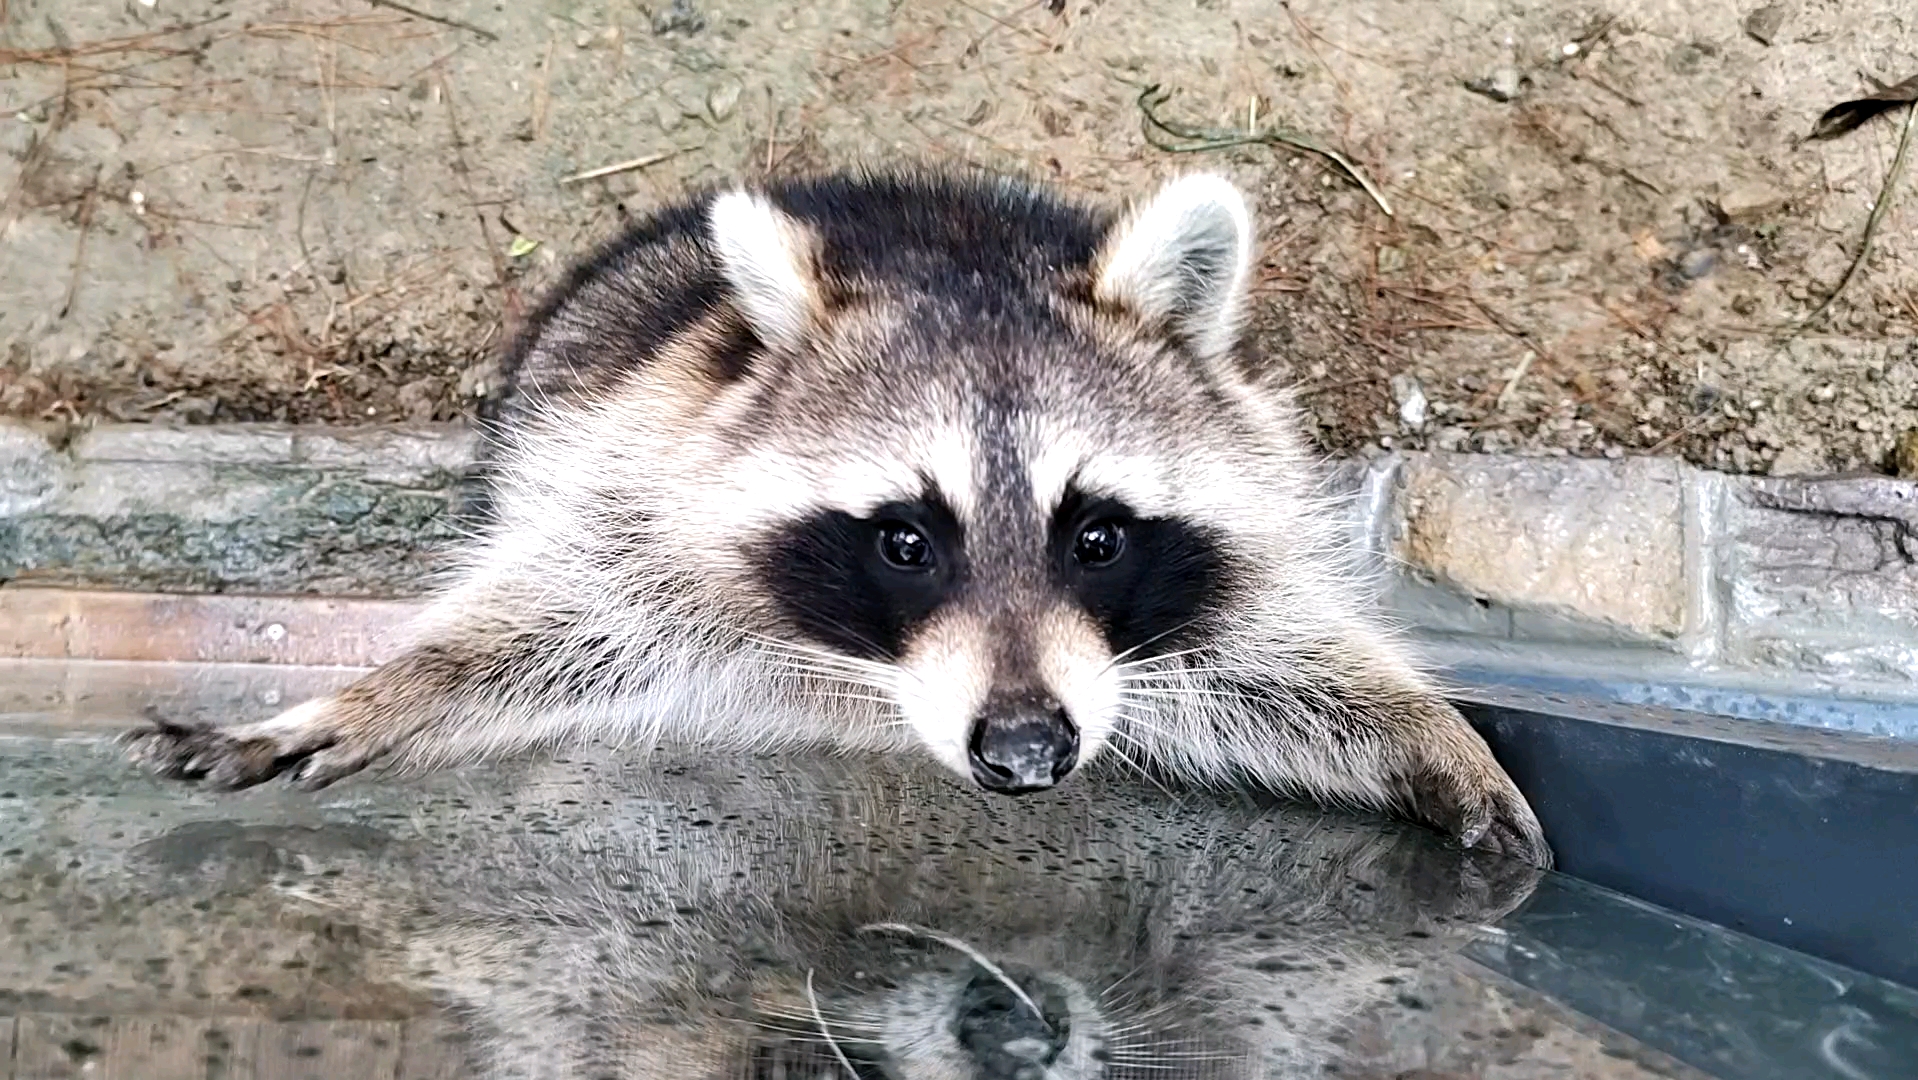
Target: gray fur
661,435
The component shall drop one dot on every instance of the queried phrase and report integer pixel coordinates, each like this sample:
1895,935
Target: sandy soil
326,210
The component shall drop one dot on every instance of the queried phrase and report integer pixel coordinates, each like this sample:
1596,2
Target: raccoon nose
1023,745
999,1028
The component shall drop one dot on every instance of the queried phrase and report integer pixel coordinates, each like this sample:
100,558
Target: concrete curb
244,507
89,624
1643,570
1651,565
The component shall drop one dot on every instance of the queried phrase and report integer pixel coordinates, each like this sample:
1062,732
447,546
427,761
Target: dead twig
1877,212
542,94
1200,140
1306,34
299,219
457,24
63,52
622,166
1534,350
1444,304
509,296
1518,374
1629,323
895,52
1008,24
1518,333
1693,427
772,128
1593,78
80,245
1346,49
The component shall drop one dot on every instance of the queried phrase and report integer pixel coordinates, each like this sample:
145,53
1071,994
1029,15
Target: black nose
999,1028
1022,746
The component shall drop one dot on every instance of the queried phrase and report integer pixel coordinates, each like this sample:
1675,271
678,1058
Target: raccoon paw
1483,810
300,743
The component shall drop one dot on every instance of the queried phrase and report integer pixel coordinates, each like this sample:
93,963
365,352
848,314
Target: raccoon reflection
855,919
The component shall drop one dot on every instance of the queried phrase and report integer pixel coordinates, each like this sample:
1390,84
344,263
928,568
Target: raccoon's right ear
768,259
1180,261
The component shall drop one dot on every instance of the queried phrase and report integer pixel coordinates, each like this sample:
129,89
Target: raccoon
908,458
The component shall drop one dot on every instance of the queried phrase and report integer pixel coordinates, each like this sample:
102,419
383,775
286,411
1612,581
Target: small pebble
1411,400
721,102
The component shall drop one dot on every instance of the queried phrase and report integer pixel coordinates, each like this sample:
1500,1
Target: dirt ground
1607,229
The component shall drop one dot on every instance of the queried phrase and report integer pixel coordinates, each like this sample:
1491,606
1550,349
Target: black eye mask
862,585
1144,580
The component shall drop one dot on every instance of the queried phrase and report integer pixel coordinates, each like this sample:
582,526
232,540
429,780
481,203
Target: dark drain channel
1801,837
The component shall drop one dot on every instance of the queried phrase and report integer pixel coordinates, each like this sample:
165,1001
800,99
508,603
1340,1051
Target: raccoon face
974,1026
981,492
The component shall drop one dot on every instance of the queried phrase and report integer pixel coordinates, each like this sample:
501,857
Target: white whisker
975,955
1128,759
813,1000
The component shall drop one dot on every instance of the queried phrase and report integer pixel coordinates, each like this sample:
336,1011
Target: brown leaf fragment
1848,115
1904,455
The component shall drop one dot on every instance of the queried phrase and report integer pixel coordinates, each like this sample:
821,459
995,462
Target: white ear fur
1182,258
764,256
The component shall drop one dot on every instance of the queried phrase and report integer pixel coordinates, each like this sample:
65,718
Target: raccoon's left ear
1180,260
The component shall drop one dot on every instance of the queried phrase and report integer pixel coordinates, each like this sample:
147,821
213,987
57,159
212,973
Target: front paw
304,743
1476,803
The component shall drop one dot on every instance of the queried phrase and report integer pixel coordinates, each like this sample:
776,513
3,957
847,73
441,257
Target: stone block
83,624
32,472
1573,549
259,507
393,455
202,491
229,444
1821,576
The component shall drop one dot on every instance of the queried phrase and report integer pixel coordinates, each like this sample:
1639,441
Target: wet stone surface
632,919
651,915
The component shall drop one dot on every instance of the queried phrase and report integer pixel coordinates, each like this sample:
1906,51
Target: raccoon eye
1099,544
904,547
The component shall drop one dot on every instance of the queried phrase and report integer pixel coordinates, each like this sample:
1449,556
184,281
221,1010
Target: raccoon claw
231,759
1504,836
1489,815
324,768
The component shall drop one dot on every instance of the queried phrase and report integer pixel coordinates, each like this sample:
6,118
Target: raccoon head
1006,1022
990,448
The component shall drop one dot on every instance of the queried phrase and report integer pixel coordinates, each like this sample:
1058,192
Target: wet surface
618,914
